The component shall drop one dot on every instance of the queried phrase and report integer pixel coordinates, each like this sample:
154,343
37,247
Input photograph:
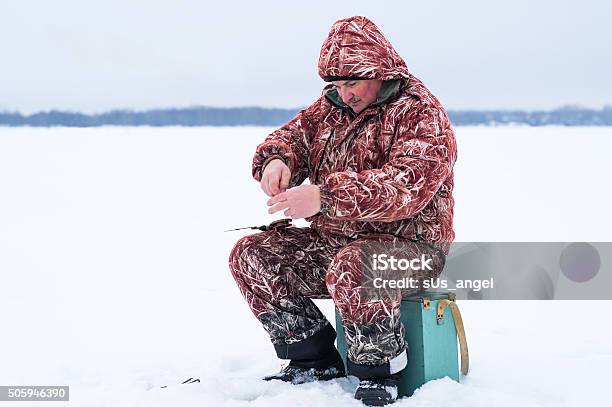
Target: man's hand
275,178
298,202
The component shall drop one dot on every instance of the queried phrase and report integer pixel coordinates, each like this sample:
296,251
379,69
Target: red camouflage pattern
279,271
389,170
385,175
355,47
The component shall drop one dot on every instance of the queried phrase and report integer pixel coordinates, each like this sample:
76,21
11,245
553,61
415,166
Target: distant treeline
256,116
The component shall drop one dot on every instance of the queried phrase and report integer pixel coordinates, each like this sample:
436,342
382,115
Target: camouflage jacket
387,170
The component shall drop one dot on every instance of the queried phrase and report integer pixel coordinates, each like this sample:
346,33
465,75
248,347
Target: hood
356,49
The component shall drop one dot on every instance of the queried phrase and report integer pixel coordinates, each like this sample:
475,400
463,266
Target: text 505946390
34,393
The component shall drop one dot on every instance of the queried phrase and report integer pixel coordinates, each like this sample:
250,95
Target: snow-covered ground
113,274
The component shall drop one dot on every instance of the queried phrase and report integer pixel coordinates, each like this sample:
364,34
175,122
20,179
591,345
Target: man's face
358,94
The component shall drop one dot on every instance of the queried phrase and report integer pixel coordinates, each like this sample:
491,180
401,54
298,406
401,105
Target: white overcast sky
98,55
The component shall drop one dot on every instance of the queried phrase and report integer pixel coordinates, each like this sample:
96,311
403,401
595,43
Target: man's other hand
275,178
298,202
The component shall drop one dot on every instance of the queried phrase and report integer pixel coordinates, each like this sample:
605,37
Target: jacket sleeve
421,158
290,143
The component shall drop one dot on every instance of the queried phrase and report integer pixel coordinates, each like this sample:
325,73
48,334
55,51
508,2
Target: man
379,151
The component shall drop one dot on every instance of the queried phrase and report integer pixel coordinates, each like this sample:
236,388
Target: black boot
379,391
304,371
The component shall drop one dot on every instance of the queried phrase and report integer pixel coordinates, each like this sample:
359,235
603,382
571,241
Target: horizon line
568,107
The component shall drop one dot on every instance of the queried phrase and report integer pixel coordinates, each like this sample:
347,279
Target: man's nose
346,95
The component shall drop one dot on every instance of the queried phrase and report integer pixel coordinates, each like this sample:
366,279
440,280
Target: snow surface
114,279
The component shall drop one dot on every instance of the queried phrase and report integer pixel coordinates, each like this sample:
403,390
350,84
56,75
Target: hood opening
387,90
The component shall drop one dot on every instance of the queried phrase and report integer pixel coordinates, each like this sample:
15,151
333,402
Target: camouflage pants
279,271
